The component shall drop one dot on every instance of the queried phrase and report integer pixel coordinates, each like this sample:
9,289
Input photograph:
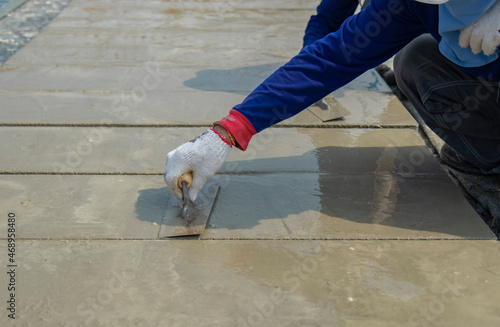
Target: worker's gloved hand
203,157
484,34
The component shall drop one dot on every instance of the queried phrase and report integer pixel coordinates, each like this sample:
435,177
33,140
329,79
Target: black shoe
453,159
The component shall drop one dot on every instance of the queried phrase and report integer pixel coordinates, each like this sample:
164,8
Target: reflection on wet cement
386,188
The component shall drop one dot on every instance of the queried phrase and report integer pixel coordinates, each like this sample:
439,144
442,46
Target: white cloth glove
484,34
203,157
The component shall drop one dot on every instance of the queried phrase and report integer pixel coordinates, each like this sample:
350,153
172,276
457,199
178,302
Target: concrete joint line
79,173
236,173
189,125
26,239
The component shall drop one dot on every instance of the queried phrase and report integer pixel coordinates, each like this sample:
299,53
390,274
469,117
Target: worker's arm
364,41
330,15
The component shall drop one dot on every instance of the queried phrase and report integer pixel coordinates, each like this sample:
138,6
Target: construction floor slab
119,95
342,206
85,206
187,47
249,283
143,150
116,107
118,77
255,206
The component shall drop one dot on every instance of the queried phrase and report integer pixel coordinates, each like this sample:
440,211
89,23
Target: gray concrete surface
295,205
143,150
240,283
346,223
117,95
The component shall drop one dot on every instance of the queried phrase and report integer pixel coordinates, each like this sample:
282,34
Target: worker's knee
409,62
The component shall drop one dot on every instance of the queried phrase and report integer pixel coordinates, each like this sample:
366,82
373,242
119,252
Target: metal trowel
187,217
328,109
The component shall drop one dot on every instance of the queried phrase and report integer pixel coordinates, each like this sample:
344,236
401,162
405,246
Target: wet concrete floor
345,223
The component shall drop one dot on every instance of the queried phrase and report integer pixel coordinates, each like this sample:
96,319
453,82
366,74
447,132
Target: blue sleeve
363,42
330,15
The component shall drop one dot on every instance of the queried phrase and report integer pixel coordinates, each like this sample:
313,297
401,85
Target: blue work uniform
362,42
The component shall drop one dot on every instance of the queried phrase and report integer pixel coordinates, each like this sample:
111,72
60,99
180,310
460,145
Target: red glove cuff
239,127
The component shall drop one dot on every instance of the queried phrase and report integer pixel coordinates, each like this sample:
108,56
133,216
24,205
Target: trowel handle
186,178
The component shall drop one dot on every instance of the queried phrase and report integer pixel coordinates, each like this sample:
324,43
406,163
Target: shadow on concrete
401,187
235,80
151,204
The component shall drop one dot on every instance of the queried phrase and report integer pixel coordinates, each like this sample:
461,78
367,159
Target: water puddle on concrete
356,184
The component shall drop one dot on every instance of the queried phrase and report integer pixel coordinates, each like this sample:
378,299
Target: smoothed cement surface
67,206
143,150
234,283
158,94
342,206
255,206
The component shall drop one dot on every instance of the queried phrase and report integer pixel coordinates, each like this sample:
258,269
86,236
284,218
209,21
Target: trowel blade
173,223
328,109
